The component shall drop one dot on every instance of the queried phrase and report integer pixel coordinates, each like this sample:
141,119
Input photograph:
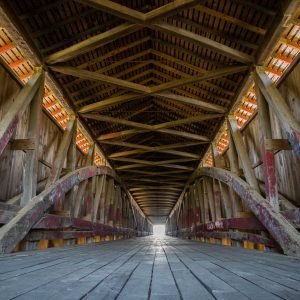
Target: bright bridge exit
159,230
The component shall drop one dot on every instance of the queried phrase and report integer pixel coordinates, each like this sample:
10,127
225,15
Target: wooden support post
110,186
82,187
118,208
91,185
100,185
71,166
243,155
198,199
280,108
226,200
102,201
205,202
217,162
10,120
61,152
268,155
30,171
111,211
209,190
234,167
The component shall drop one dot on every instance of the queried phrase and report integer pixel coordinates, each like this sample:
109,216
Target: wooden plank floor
149,268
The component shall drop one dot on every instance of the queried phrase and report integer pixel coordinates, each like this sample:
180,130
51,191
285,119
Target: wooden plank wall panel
11,162
287,164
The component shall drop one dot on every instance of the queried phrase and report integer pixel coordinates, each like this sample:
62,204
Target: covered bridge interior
116,116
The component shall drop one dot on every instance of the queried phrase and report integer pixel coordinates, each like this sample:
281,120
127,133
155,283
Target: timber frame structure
151,117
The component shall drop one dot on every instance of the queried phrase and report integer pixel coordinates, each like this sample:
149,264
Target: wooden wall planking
287,163
11,162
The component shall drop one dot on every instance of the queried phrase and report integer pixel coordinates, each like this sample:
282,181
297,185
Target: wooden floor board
149,268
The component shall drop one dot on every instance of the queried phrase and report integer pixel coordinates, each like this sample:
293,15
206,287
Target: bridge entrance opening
159,230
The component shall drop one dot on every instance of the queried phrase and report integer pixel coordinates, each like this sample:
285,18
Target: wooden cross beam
162,149
103,104
172,166
134,16
94,76
92,43
162,128
200,118
153,163
148,20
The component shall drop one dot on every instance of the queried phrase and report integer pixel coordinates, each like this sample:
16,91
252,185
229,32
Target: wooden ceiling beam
158,127
153,149
159,193
92,43
141,128
230,19
170,9
195,102
154,188
116,9
189,120
203,41
137,17
199,78
114,52
115,65
143,147
159,90
171,166
158,173
93,76
153,163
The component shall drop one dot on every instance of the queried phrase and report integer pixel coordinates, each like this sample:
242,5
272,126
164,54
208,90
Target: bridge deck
143,268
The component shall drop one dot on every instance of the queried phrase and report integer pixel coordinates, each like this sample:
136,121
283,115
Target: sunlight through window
159,230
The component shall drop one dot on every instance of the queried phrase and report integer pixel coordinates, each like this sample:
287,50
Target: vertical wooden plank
206,202
71,166
226,200
242,153
211,202
82,186
268,155
61,153
30,170
198,204
234,168
110,184
111,210
100,185
217,198
199,195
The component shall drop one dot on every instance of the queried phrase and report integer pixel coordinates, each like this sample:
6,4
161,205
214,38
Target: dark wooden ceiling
181,65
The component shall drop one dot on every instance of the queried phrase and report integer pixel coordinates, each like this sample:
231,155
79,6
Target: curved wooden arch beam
278,226
15,230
